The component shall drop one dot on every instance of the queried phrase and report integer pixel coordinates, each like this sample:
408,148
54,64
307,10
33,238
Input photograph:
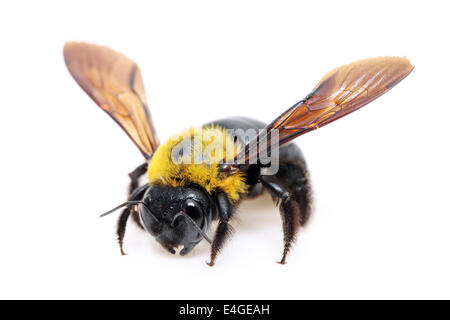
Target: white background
381,228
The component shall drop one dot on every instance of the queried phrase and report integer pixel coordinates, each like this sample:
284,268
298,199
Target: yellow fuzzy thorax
193,156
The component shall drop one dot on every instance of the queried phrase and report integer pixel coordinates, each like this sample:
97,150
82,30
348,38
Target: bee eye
193,209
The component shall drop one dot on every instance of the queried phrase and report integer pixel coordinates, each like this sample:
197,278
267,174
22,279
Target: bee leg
289,211
121,227
295,177
135,175
303,195
123,219
275,187
292,188
224,229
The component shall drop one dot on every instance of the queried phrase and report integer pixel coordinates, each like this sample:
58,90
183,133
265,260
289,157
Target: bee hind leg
290,188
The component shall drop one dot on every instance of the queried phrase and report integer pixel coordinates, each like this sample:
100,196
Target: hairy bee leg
135,175
291,185
123,219
303,195
290,215
289,211
294,175
224,229
121,227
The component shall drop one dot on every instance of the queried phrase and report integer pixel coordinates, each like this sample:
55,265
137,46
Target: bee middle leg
290,187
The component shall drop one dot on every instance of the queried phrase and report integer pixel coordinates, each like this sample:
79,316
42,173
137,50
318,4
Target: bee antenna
130,204
181,214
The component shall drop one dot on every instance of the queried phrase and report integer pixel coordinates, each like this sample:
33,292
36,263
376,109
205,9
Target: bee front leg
121,227
123,219
224,229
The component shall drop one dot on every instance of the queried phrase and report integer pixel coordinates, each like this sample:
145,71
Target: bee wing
114,82
340,92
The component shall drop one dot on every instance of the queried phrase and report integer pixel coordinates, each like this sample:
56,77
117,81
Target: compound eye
193,210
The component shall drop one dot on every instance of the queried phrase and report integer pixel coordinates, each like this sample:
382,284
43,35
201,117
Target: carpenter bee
184,193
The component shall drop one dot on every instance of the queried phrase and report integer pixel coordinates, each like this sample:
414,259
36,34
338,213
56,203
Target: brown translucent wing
340,92
114,82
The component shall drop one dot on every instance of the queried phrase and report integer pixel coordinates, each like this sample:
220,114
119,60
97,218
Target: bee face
173,215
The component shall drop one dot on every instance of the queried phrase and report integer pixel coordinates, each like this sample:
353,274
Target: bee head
176,216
